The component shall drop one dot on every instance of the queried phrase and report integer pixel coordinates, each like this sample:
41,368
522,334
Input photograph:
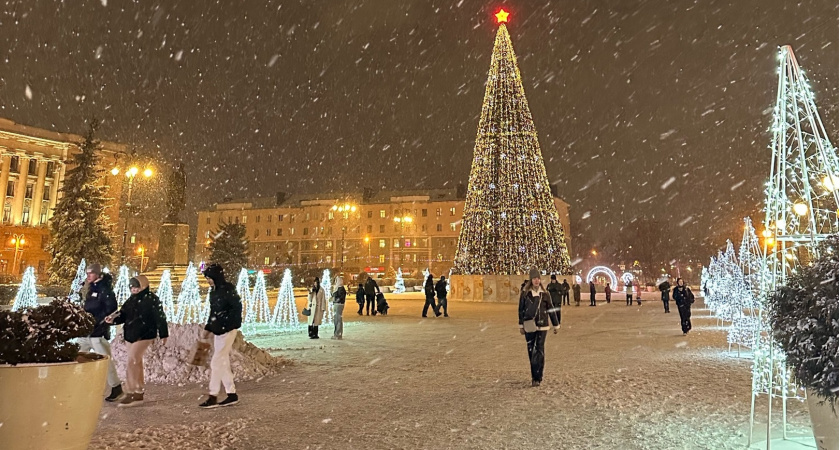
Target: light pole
18,240
143,260
367,241
345,211
130,173
402,220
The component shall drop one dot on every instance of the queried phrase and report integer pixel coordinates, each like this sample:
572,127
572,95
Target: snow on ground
616,377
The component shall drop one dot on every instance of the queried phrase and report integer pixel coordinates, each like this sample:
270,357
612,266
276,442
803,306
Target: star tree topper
502,16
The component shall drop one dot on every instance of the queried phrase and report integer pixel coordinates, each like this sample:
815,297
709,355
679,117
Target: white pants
101,346
220,372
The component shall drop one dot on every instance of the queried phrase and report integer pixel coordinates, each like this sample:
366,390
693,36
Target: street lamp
143,259
345,211
130,173
18,240
367,241
402,220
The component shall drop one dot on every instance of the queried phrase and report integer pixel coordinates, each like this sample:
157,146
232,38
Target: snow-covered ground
616,377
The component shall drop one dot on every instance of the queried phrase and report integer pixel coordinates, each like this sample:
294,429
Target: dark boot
116,392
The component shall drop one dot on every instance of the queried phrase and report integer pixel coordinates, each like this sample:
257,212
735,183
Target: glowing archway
627,277
605,270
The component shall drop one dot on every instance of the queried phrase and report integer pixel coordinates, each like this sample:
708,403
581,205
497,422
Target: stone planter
824,422
54,406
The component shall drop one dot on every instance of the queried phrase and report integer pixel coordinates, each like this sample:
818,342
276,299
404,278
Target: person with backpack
535,311
100,302
564,293
360,297
429,290
591,293
683,297
338,299
440,290
371,288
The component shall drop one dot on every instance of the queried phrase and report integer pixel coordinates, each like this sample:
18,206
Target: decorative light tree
285,311
510,222
78,282
121,290
399,284
190,308
243,288
164,293
259,311
326,285
27,296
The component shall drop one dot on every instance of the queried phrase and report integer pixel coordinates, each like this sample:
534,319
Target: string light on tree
259,301
164,293
78,282
285,311
243,288
27,296
326,285
510,222
121,290
190,308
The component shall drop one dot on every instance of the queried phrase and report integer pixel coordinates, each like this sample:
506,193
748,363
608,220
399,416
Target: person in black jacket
564,293
591,293
144,320
555,291
665,289
223,322
360,297
339,296
371,288
440,290
683,297
429,290
535,310
100,302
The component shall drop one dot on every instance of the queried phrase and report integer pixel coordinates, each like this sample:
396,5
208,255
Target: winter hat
94,268
140,281
215,272
534,273
554,277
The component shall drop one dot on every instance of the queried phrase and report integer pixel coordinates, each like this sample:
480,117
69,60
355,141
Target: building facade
34,162
411,230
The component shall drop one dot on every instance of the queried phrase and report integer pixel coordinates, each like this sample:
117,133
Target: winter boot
130,400
231,399
116,392
210,402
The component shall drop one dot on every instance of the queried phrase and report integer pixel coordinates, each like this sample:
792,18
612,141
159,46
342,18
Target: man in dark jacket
591,293
564,292
665,289
440,290
371,288
100,302
555,291
223,322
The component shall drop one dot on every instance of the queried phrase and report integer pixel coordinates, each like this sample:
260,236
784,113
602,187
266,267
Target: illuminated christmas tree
243,288
190,308
78,282
399,284
259,312
285,311
26,296
326,285
164,293
510,222
121,289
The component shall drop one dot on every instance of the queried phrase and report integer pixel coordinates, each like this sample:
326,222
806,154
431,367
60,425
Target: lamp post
143,259
367,241
18,240
130,173
402,220
345,211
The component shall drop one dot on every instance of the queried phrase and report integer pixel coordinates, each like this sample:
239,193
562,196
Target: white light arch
627,277
605,270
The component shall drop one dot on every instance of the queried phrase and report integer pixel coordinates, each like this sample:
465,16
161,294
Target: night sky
644,108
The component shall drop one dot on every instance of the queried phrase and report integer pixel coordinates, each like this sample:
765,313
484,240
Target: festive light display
510,223
27,296
399,283
78,282
627,277
326,285
606,271
164,293
259,311
285,311
243,288
190,308
121,290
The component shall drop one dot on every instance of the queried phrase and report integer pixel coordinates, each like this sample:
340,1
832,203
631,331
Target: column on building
4,180
20,190
58,178
38,196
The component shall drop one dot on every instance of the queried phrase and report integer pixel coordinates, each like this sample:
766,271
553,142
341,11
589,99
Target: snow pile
169,364
195,436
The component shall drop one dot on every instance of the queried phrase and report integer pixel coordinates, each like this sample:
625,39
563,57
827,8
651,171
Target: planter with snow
52,394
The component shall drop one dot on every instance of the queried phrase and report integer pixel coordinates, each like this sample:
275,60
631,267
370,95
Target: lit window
329,244
331,216
329,258
382,243
452,211
207,234
382,213
244,219
452,226
133,238
267,261
437,213
408,242
291,231
307,216
396,243
381,259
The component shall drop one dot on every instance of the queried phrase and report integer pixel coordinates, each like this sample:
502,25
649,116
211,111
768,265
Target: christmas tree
121,290
78,282
399,283
510,222
229,247
259,312
26,296
285,311
326,285
79,227
164,293
243,288
190,308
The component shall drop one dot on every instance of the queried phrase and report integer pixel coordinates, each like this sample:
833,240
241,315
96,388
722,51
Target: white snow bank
169,364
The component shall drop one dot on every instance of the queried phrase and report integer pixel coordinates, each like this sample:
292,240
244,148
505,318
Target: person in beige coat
317,306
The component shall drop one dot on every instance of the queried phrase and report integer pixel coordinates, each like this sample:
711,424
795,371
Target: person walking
576,292
628,291
317,305
338,299
608,291
101,302
223,323
564,293
683,298
591,293
360,297
371,288
555,291
440,290
665,290
144,321
535,311
429,290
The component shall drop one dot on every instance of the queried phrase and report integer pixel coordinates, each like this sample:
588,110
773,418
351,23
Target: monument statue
176,194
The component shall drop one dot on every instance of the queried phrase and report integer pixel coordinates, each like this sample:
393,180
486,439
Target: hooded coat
100,302
555,289
225,305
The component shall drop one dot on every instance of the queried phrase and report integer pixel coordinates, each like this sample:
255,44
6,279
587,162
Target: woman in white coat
317,306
